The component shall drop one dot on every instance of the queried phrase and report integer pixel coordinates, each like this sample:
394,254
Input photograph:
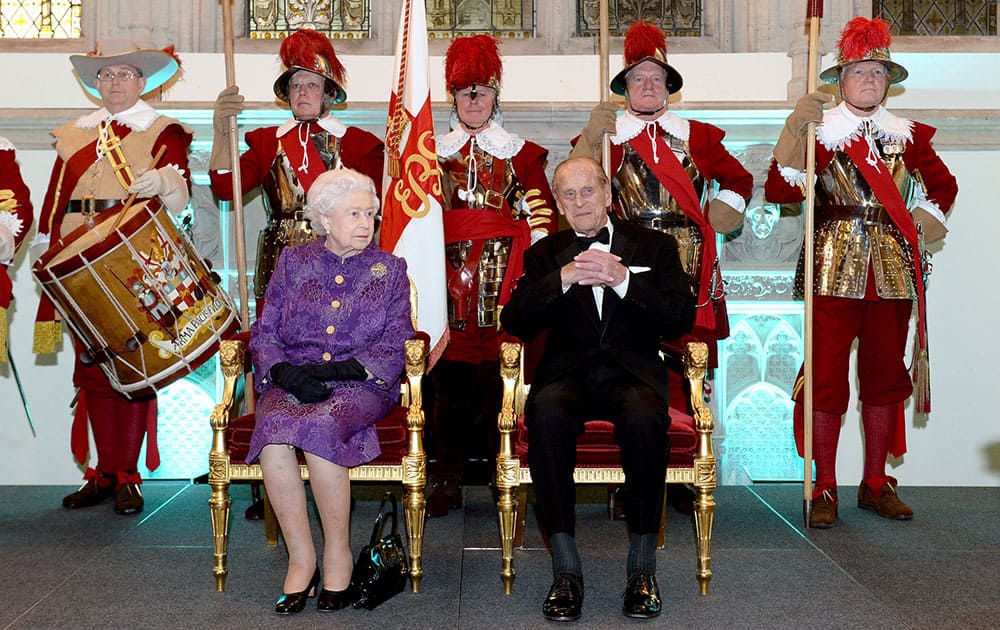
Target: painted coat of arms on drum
138,296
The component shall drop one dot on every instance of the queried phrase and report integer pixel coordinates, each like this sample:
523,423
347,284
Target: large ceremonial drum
138,297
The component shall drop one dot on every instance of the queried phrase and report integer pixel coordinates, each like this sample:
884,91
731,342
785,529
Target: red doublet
359,150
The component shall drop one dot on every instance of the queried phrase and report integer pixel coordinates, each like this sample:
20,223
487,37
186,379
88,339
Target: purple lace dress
321,307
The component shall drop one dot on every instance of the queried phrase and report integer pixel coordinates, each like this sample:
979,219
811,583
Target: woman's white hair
326,192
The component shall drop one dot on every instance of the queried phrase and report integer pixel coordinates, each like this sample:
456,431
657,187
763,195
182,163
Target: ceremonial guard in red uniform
15,221
102,158
284,161
664,169
497,202
881,190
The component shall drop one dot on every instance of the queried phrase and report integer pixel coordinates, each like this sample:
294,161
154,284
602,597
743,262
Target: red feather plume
303,46
173,53
861,36
471,60
643,40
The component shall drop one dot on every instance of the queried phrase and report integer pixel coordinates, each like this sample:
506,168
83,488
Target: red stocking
880,424
101,408
131,424
826,435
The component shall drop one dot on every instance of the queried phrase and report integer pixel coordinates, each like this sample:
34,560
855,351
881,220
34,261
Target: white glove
6,244
147,185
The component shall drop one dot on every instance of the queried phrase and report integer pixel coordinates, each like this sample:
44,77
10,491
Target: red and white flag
412,221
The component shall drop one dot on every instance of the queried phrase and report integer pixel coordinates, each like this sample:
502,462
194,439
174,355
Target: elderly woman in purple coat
328,356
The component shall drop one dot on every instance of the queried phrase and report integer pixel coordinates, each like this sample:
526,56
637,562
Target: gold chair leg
704,517
219,505
507,515
661,537
414,504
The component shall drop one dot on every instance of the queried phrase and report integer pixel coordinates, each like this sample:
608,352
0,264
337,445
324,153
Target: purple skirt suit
321,307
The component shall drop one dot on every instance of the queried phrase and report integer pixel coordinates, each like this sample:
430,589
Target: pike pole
814,15
605,78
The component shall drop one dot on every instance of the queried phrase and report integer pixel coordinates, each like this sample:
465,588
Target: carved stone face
762,219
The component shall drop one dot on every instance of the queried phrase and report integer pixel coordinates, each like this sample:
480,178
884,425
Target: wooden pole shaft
605,47
807,403
234,152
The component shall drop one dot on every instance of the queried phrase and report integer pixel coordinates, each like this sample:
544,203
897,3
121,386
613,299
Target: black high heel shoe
290,603
335,600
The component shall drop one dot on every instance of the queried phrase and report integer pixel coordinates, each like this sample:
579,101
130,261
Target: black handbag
381,569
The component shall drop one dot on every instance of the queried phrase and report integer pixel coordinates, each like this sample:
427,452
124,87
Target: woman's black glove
349,370
297,381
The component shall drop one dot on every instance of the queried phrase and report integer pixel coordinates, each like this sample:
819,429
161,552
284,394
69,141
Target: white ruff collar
494,140
139,117
629,126
328,123
5,144
841,126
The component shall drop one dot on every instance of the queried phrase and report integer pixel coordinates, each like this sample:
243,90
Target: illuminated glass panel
503,18
338,19
939,17
40,19
677,18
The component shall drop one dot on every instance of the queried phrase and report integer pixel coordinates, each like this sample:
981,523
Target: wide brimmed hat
473,60
864,40
646,42
156,66
310,50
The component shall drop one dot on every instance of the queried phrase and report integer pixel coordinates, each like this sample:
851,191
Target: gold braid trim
55,201
47,337
3,335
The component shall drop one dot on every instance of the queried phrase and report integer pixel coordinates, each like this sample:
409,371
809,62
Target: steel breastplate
642,199
284,203
854,230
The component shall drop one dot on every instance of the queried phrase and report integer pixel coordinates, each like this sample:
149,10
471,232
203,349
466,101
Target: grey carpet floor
90,568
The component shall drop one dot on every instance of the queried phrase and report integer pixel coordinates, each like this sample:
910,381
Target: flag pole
814,15
605,45
234,151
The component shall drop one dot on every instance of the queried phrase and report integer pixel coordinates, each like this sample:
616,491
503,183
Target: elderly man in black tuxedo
606,293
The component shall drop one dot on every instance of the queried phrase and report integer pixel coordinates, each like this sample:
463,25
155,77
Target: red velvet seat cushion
391,437
596,448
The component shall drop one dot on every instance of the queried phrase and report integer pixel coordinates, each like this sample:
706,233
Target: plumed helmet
864,40
473,60
156,66
646,42
307,49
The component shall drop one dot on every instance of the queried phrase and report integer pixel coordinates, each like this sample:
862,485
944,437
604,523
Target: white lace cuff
793,176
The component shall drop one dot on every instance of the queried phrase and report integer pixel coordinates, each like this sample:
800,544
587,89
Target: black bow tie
602,236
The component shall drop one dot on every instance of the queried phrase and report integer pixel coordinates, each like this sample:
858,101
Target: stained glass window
40,19
502,18
338,19
939,17
677,18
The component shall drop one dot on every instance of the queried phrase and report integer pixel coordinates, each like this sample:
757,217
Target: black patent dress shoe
565,598
335,600
291,603
642,596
